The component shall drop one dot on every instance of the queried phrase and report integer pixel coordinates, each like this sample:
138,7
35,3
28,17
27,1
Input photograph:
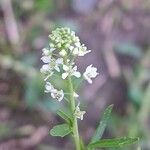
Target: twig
10,22
109,55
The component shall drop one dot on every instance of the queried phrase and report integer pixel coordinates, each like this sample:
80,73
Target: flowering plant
59,57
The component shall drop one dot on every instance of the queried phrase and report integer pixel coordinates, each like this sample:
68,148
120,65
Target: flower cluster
67,42
59,95
59,56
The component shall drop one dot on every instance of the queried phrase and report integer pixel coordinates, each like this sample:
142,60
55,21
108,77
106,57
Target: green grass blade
109,143
102,125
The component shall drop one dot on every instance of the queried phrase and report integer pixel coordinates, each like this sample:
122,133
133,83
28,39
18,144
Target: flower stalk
73,107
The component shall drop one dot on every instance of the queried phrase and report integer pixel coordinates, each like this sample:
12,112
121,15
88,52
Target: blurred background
117,32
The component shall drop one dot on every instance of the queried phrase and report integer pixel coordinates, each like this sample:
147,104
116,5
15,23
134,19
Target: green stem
73,107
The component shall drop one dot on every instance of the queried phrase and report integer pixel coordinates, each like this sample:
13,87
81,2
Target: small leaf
65,116
102,125
119,142
60,130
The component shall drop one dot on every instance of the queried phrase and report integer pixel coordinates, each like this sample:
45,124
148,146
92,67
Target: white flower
58,95
83,50
49,88
75,73
51,64
45,51
75,95
72,71
45,68
91,72
64,75
46,59
78,113
56,62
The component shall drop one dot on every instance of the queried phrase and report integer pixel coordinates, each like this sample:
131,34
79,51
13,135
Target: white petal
64,75
46,59
89,51
85,75
94,74
78,44
75,68
65,67
62,53
71,48
44,68
77,74
82,53
89,80
53,95
75,94
49,87
62,95
59,61
45,51
75,51
88,69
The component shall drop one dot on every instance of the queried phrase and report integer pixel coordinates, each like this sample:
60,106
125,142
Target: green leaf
65,116
102,125
46,5
109,143
60,130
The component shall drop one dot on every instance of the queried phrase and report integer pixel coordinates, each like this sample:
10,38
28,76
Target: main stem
73,107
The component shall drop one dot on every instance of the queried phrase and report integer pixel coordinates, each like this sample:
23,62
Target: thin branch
10,22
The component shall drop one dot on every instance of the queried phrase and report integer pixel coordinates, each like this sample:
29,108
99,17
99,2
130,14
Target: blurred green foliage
46,5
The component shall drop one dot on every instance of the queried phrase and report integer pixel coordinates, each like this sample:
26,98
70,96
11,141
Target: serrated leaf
102,125
109,143
60,130
65,116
